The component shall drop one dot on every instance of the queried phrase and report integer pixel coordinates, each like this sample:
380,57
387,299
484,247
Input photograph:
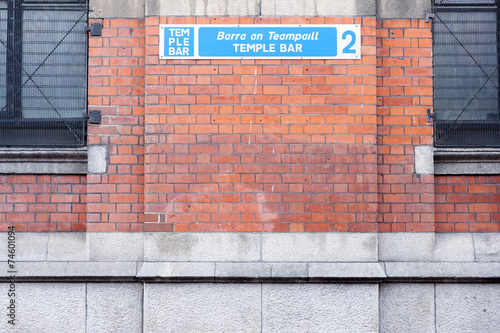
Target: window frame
466,160
46,132
463,133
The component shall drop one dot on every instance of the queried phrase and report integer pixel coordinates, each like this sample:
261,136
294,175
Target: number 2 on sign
348,48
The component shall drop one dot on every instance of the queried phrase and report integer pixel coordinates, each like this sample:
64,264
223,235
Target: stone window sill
43,160
466,161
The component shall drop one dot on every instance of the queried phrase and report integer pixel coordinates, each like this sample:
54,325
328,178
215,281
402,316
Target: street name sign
342,41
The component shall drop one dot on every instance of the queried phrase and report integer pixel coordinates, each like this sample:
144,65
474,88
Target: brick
247,227
319,227
484,227
417,33
257,145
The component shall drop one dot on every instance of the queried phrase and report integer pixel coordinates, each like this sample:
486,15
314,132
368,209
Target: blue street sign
260,42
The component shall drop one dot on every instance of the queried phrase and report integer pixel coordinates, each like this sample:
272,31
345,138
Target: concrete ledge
290,270
116,9
227,257
203,8
196,271
74,271
260,8
254,272
346,271
177,270
318,8
466,161
43,160
384,9
446,271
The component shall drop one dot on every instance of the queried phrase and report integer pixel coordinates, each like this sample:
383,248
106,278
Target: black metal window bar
43,73
466,76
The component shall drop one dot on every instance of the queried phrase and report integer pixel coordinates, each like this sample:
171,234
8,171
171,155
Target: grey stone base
440,307
218,257
336,282
382,8
253,307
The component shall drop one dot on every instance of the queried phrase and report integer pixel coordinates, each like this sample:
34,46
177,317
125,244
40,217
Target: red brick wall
467,203
260,145
116,87
42,202
404,90
257,145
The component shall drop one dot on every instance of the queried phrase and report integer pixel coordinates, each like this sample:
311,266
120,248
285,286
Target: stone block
310,247
116,246
318,8
407,307
202,8
203,307
467,307
487,246
201,247
30,246
406,246
453,247
114,307
117,9
424,158
47,307
400,9
98,156
426,246
319,308
65,246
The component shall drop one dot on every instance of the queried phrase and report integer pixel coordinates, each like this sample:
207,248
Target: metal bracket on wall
94,116
430,115
95,29
429,15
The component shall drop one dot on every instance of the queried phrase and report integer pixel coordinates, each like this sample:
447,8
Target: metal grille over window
43,73
466,75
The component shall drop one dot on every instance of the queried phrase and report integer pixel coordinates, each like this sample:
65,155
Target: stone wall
357,282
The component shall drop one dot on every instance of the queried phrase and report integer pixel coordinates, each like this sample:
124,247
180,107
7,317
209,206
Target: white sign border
341,28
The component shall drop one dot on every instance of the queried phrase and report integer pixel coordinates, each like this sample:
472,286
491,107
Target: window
43,73
466,76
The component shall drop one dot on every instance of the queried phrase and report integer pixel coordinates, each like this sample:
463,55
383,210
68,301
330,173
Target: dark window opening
466,75
43,73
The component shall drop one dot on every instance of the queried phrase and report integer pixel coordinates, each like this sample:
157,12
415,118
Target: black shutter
43,47
466,76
